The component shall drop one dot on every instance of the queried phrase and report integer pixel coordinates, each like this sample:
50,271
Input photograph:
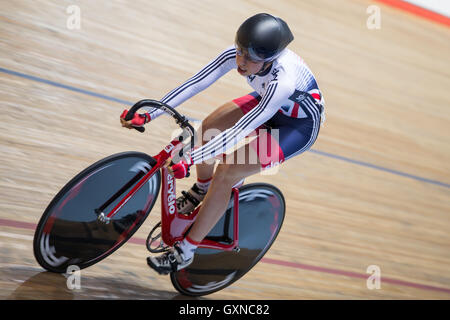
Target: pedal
153,240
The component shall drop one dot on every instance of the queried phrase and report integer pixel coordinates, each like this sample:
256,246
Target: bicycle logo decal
171,197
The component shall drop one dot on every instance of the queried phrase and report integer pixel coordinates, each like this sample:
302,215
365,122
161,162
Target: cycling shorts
283,137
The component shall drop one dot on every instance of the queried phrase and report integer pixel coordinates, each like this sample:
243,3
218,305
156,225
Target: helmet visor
247,54
251,54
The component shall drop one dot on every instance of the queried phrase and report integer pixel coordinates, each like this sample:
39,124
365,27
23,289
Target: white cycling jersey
280,88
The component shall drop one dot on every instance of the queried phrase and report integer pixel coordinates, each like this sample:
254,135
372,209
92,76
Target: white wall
439,6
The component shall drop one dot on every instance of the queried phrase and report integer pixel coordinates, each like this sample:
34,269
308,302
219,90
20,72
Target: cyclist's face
247,66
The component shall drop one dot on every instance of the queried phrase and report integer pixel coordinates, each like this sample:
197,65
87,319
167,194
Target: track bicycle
101,208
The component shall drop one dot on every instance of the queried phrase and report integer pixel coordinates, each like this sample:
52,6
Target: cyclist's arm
275,95
199,82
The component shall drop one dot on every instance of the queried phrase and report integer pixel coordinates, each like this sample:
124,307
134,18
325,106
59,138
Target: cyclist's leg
227,174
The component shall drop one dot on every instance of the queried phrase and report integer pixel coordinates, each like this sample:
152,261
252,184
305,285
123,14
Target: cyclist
285,110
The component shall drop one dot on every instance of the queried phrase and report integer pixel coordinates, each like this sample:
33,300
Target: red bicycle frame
173,224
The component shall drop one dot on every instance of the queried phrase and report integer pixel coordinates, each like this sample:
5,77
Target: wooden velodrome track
374,189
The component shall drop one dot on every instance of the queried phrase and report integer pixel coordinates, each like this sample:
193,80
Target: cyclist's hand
180,170
138,120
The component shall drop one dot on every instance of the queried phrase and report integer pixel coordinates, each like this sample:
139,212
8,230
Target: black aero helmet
263,36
